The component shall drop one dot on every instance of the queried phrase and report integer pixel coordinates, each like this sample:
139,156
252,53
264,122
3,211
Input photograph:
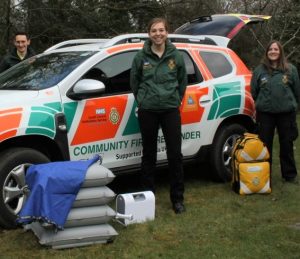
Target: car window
114,72
42,71
217,63
194,75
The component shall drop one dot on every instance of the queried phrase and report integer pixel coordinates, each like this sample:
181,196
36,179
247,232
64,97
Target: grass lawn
218,223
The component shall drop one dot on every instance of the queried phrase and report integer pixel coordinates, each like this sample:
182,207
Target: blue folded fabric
53,189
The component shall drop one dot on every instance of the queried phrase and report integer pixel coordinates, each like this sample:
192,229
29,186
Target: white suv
74,101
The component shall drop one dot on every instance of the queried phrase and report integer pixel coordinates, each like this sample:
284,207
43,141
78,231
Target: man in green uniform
20,52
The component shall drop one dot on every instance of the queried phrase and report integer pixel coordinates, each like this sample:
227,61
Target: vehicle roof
85,47
98,44
215,29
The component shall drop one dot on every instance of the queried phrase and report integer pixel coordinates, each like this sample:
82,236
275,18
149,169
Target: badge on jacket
171,63
146,65
263,81
285,79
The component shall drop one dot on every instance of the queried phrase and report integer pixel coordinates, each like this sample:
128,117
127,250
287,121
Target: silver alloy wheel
15,190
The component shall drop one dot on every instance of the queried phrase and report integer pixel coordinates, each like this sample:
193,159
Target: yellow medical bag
250,166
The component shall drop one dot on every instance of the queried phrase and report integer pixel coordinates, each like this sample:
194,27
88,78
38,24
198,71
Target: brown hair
21,33
282,62
158,20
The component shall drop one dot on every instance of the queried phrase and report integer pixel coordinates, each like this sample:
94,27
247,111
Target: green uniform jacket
12,58
158,83
275,92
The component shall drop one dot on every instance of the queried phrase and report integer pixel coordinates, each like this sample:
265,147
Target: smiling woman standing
275,89
158,81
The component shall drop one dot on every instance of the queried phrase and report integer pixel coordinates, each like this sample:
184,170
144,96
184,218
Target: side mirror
86,88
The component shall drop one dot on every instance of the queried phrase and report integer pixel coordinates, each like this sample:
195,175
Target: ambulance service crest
255,181
171,63
114,116
285,79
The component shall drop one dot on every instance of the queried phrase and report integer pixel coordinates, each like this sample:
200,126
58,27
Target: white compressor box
140,205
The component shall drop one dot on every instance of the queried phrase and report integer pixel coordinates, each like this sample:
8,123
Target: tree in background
4,22
285,26
11,15
52,21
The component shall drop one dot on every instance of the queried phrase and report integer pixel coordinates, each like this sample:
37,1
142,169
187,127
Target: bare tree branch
256,38
293,37
291,53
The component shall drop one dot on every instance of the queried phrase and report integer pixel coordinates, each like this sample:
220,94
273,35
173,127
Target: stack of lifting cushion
87,221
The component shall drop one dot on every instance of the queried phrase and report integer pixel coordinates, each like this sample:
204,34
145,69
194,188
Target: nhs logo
100,111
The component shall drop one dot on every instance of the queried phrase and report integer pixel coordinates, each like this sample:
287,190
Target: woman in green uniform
158,81
275,89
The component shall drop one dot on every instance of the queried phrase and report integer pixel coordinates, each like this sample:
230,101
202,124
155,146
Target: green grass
218,224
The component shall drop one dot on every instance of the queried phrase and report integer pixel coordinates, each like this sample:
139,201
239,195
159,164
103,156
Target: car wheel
13,193
221,151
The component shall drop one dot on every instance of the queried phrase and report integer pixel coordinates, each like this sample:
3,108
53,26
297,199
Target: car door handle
204,100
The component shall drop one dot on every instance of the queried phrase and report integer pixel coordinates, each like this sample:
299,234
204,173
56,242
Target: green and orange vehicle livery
74,101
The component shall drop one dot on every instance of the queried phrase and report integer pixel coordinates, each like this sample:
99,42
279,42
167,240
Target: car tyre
13,165
223,143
